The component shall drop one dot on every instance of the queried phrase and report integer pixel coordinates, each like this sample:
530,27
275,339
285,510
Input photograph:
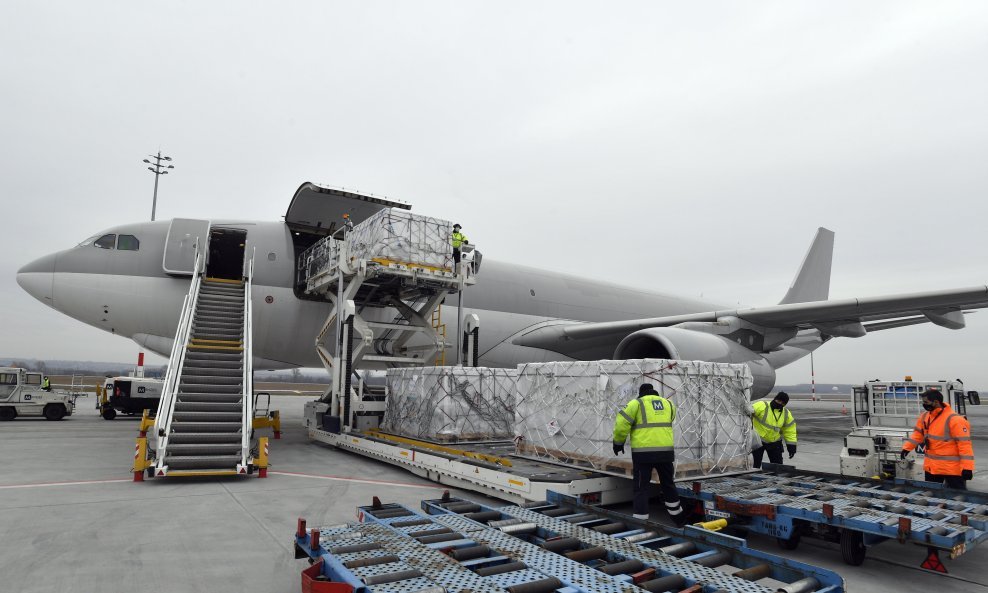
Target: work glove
903,453
791,447
618,449
967,474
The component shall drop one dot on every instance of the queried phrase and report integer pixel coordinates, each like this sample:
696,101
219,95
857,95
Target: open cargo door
319,210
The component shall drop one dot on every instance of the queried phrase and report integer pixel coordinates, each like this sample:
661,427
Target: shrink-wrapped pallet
400,236
565,412
451,403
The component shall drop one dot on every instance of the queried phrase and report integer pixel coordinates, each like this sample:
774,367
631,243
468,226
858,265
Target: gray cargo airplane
130,280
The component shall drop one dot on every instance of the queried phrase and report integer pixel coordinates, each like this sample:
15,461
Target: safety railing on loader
248,364
177,358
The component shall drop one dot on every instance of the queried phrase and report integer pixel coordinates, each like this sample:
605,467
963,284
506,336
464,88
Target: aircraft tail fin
812,282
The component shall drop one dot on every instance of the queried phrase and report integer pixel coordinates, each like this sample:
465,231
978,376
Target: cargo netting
565,412
390,236
451,404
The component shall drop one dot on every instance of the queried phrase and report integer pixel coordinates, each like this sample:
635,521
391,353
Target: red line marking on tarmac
360,480
75,483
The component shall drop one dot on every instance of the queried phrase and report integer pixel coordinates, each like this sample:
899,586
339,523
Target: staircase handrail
248,362
176,361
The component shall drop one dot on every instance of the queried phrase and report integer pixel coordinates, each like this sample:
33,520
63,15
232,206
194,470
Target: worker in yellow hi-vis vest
458,239
648,418
774,425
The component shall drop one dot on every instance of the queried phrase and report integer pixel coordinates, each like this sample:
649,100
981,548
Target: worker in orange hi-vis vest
947,438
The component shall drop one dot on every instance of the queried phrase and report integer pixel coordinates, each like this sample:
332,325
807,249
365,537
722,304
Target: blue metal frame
706,542
774,501
387,527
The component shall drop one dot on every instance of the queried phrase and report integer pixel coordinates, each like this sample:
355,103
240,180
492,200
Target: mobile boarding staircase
386,278
205,421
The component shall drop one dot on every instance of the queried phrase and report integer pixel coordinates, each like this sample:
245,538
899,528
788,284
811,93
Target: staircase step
202,335
202,371
219,288
205,448
193,355
221,299
210,397
190,406
230,417
202,462
209,388
180,438
212,348
210,281
212,364
211,426
196,379
208,323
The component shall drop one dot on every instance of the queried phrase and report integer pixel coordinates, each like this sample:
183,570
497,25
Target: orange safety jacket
947,437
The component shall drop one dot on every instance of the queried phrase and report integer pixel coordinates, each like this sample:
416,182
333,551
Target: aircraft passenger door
180,245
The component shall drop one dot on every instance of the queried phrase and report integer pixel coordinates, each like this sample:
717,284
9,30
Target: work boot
641,517
681,518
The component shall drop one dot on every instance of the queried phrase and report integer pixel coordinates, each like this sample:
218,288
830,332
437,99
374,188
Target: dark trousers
456,255
955,482
774,451
642,473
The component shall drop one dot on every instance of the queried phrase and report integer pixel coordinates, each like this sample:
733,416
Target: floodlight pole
158,169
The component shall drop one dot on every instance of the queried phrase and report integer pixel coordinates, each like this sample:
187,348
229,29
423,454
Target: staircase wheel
852,548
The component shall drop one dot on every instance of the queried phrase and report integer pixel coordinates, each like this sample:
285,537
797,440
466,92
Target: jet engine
683,344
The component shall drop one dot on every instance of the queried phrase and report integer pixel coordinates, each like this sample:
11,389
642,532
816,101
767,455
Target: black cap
457,226
646,389
782,396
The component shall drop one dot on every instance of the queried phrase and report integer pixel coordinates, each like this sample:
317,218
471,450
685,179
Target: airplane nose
38,279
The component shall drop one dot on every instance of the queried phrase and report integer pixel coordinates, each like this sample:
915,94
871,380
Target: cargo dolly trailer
788,504
458,545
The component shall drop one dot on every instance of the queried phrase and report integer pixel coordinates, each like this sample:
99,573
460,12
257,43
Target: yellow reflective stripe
962,438
654,425
948,457
971,457
627,417
649,449
641,409
934,437
769,426
913,442
946,426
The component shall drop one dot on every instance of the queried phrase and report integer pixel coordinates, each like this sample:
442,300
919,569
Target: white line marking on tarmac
357,480
76,483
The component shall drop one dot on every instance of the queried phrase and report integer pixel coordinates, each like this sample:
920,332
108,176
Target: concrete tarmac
72,519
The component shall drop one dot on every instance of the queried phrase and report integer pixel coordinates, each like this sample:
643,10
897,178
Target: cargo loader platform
457,545
787,504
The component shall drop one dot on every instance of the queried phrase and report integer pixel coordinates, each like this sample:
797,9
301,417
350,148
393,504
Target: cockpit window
88,241
106,242
128,243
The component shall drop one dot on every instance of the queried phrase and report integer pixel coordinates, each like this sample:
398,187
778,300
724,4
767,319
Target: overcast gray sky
688,147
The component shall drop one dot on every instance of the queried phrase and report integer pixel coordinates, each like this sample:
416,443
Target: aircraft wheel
109,414
54,411
852,548
8,413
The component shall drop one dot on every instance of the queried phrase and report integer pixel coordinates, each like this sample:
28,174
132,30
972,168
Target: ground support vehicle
789,504
128,395
21,395
456,545
884,415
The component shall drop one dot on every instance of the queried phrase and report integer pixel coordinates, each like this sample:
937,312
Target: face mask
776,406
929,407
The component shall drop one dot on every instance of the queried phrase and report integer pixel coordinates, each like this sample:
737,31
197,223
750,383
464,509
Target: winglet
812,282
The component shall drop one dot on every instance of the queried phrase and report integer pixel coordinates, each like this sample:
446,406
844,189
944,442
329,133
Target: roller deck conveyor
787,503
459,545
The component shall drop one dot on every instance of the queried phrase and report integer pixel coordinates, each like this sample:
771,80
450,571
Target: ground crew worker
458,239
649,419
947,438
46,384
773,424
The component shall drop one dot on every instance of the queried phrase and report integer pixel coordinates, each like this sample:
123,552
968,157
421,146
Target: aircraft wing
840,318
